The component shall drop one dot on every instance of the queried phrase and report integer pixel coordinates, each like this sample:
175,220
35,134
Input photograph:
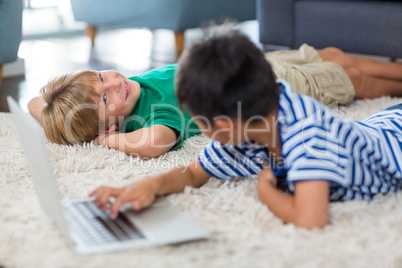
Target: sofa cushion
372,27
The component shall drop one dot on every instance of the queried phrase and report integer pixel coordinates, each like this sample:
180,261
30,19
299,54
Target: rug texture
244,233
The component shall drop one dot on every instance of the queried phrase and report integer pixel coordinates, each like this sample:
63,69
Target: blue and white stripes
360,159
226,161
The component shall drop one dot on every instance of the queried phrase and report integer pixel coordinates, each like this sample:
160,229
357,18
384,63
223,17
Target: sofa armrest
10,29
276,20
153,14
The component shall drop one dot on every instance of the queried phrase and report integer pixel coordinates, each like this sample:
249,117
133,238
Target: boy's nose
114,85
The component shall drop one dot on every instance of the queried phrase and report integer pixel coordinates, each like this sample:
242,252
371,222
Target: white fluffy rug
244,233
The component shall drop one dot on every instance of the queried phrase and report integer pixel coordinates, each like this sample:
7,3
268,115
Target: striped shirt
359,159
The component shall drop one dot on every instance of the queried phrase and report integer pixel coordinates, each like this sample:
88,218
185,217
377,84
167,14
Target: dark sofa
366,27
10,31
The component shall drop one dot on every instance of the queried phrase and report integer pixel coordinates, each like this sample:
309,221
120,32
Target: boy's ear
222,123
110,129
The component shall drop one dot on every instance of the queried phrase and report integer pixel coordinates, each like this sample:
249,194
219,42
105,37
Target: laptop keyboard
95,227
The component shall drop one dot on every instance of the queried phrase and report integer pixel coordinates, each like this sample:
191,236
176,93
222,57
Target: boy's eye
104,98
101,77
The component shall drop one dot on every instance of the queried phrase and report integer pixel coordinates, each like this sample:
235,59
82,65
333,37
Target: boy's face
225,131
117,96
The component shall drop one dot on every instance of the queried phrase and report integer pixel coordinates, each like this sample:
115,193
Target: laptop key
112,228
94,226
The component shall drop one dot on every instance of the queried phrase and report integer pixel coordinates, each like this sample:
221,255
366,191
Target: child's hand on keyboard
140,194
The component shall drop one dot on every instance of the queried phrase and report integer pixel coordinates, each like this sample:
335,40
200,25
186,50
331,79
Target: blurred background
54,43
40,39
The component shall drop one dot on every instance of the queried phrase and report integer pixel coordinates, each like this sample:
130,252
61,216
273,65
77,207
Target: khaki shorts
310,75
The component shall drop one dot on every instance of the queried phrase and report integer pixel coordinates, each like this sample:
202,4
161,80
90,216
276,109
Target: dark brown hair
222,70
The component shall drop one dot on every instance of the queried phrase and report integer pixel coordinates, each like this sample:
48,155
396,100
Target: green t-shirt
157,104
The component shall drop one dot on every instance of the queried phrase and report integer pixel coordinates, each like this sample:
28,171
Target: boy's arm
35,107
307,208
146,142
142,193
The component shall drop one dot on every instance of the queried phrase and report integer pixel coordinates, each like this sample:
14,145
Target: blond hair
70,115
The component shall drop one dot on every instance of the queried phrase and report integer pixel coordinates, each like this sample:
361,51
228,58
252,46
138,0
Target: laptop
87,228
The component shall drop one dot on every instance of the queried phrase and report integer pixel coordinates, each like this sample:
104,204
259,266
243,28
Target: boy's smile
117,96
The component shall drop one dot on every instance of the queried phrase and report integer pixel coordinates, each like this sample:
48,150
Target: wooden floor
129,51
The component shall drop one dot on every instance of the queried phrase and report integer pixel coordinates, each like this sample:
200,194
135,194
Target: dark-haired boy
259,126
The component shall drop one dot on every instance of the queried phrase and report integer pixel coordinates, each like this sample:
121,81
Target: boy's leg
367,86
309,75
386,70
